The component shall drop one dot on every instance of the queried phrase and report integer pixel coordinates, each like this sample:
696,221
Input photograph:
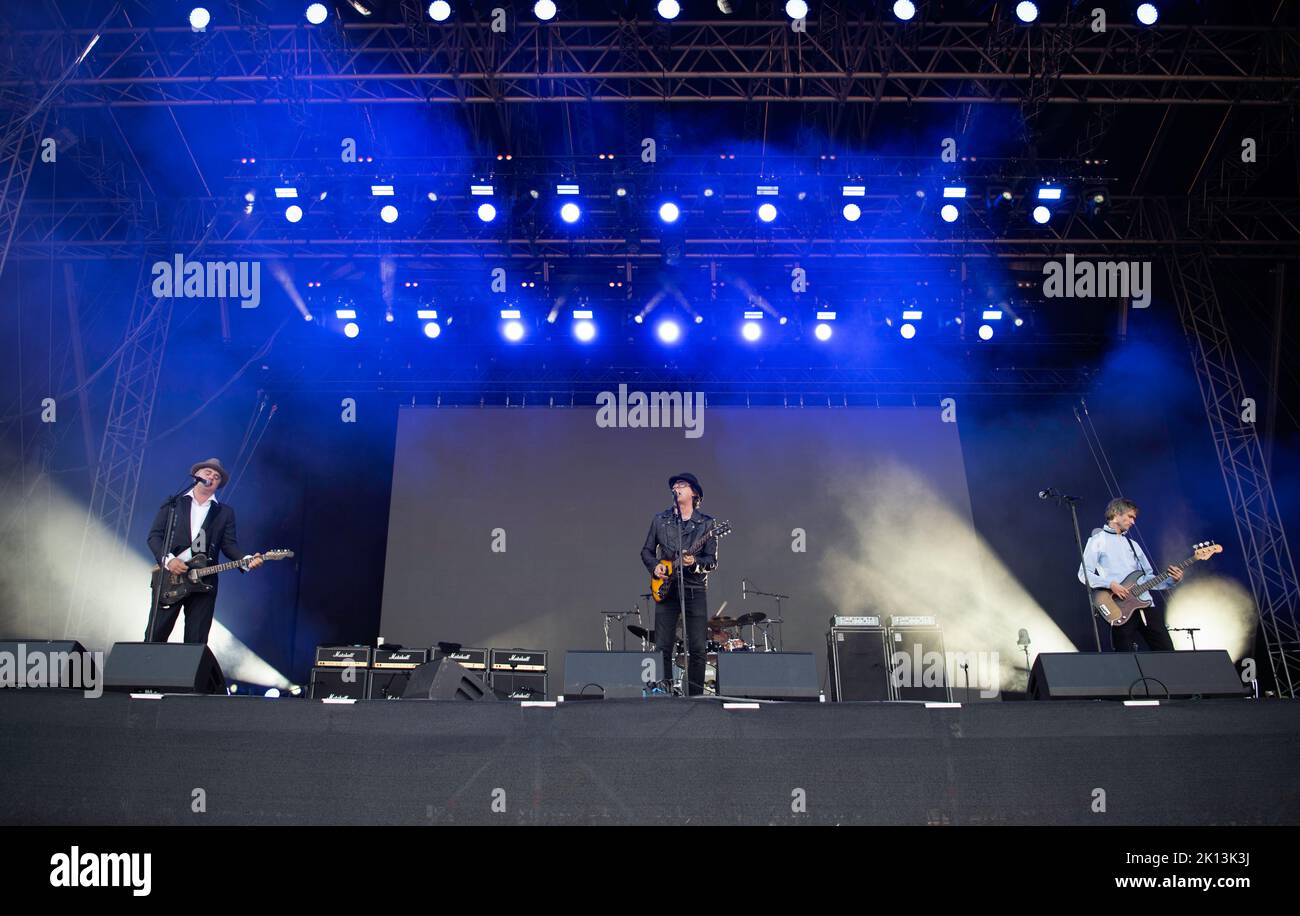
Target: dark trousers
697,634
198,618
1125,638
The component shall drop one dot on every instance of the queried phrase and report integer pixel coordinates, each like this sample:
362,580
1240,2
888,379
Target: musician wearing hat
660,555
203,526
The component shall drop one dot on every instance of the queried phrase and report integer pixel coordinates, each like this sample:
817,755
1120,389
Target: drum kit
724,635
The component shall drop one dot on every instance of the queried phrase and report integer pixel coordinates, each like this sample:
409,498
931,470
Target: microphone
1024,638
1049,493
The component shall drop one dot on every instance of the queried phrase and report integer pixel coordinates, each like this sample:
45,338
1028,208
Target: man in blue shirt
1108,557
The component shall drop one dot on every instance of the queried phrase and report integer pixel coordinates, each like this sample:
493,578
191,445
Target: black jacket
661,543
218,528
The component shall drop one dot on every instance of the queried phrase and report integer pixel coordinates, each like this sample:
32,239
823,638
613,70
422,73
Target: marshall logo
459,656
521,658
399,657
345,655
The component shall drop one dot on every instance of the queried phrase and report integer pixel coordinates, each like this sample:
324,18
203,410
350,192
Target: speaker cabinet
387,684
610,675
1134,675
161,667
444,679
339,683
858,662
768,675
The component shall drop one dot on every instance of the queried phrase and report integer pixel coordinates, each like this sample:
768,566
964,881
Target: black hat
215,464
689,478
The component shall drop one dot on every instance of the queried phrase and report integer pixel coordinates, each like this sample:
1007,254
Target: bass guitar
1117,611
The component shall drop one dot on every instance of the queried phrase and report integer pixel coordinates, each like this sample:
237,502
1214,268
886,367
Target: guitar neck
1161,579
213,570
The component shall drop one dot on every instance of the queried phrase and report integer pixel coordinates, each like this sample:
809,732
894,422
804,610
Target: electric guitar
176,586
1117,611
661,589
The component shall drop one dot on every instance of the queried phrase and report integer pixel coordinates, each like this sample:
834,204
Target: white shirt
198,515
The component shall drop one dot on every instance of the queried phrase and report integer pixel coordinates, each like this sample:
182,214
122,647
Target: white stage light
1042,214
852,212
669,211
317,13
487,212
388,214
669,9
439,10
949,213
544,10
1147,14
293,213
199,18
767,213
1026,12
796,9
904,9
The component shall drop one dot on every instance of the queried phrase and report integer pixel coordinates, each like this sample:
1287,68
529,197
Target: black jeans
1124,638
198,609
697,634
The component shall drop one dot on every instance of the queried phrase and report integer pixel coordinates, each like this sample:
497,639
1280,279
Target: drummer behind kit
724,636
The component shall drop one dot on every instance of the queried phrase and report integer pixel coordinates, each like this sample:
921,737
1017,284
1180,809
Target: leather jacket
661,543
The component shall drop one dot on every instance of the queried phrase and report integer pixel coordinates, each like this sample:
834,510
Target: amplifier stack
384,673
871,659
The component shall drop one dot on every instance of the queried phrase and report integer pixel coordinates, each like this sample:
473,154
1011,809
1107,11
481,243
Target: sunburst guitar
663,588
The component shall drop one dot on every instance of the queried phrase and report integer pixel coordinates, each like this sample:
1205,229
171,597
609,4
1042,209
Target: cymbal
723,623
640,632
747,620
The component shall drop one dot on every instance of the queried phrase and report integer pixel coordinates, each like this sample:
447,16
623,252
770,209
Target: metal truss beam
748,62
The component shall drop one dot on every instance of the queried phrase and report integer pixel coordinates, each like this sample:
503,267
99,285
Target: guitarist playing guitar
1109,557
660,554
203,527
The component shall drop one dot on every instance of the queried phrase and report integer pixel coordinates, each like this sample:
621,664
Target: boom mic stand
162,568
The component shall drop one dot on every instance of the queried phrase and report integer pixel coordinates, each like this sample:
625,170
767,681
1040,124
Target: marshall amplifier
519,674
400,658
387,683
343,656
475,660
339,683
858,660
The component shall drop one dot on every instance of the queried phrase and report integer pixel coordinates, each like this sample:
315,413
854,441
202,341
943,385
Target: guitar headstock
278,554
720,529
1206,549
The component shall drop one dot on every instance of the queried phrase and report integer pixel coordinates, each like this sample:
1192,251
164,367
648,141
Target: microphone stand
1061,499
779,617
1190,631
681,601
162,567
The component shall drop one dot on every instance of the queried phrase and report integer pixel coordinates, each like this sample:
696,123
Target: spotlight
822,331
904,9
1047,192
669,331
199,19
852,212
513,330
767,213
708,192
487,212
273,692
669,211
986,332
439,10
388,214
1147,14
544,10
908,330
1026,12
584,330
293,213
669,9
949,213
796,9
317,13
570,212
432,329
621,192
1042,214
751,331
351,329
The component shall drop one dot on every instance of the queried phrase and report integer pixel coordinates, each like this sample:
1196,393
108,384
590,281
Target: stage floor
116,760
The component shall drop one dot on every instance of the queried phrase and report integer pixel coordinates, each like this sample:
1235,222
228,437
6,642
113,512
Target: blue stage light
293,213
570,212
986,332
1147,14
669,331
199,18
351,329
1042,214
513,331
767,213
852,212
1026,12
751,331
487,212
544,10
669,211
439,10
669,9
584,330
904,9
949,213
317,13
908,330
822,331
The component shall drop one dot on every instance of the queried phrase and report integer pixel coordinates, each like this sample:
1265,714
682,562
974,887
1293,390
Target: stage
68,760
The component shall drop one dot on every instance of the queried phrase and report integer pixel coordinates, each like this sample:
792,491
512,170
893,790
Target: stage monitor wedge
161,667
1134,675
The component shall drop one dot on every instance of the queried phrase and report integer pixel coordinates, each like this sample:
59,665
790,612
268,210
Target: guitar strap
1142,566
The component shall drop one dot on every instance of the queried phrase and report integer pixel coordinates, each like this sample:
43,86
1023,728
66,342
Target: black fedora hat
215,464
689,478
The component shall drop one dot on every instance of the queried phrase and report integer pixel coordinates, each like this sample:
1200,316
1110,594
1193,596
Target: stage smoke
1222,609
915,555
